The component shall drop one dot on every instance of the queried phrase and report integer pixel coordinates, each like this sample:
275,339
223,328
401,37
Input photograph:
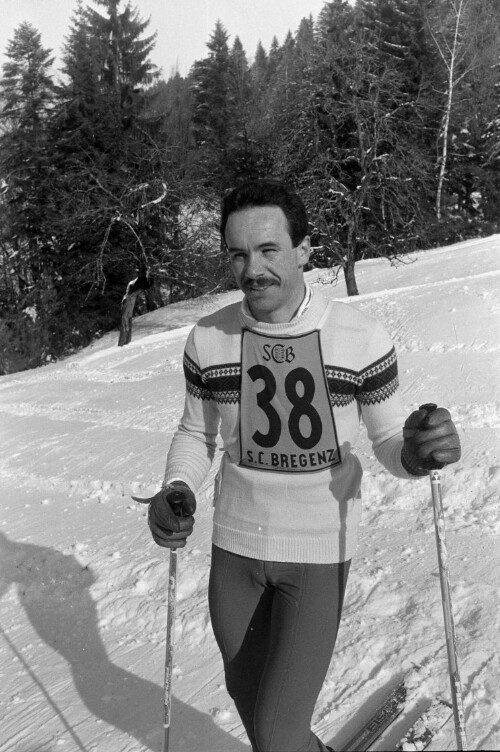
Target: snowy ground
82,585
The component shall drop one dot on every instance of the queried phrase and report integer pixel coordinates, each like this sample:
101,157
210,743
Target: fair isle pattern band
221,383
343,385
374,384
379,381
224,382
195,385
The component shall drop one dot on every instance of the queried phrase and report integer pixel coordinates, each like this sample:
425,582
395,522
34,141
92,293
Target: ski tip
427,725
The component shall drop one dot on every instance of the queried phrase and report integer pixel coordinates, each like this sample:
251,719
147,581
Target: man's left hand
170,514
431,438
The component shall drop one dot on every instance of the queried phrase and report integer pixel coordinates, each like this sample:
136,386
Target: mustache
258,284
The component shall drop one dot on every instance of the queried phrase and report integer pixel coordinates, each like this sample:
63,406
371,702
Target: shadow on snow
54,591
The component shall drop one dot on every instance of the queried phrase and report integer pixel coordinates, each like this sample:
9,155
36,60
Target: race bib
286,421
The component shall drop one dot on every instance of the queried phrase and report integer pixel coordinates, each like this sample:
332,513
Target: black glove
170,514
430,440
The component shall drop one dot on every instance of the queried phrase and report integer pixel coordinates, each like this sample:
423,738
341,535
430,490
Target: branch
136,236
157,200
105,189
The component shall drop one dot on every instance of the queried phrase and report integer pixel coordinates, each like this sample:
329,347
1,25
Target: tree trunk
350,278
151,288
349,261
451,66
153,296
127,306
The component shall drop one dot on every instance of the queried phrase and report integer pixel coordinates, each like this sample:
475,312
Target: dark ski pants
276,625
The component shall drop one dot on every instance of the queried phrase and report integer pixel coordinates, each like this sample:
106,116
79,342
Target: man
285,376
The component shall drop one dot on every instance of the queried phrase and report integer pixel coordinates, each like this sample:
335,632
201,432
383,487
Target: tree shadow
54,591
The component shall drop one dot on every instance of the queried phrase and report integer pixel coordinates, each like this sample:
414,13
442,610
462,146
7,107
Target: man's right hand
170,514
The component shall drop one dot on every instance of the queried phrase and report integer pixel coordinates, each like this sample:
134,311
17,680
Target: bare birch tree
459,29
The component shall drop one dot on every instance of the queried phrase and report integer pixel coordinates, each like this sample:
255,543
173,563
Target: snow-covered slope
83,587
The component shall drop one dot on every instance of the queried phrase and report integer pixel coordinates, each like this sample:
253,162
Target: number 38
301,407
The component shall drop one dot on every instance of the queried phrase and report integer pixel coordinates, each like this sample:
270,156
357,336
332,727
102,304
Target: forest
383,114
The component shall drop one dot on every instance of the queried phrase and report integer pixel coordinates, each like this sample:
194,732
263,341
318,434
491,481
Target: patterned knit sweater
287,400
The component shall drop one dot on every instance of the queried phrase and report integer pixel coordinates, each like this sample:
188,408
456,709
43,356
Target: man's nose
254,266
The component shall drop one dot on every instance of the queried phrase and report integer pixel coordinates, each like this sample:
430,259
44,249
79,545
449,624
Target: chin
259,297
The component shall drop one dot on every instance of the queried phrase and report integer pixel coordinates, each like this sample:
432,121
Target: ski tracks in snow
83,587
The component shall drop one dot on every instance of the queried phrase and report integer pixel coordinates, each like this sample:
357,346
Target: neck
284,315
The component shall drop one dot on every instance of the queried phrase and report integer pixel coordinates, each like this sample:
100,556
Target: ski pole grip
430,463
429,407
175,499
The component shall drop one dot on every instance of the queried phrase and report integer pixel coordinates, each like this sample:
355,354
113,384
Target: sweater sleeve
380,402
193,445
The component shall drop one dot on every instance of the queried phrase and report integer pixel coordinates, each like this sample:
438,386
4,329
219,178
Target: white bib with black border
286,418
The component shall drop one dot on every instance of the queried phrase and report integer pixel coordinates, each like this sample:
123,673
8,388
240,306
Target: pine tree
83,119
108,159
260,72
304,38
238,81
282,90
26,95
335,21
27,87
397,28
171,103
126,60
260,69
274,57
26,210
212,108
240,151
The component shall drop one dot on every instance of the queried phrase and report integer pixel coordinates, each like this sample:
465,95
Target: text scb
278,353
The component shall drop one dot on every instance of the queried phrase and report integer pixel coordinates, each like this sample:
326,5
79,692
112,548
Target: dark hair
268,193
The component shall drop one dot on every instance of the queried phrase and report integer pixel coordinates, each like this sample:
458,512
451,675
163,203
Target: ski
384,715
420,734
425,728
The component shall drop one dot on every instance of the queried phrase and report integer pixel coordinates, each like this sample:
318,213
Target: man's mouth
258,286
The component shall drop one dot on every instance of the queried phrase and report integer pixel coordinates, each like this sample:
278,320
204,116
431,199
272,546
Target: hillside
83,587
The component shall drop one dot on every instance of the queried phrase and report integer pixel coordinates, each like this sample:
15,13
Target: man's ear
304,251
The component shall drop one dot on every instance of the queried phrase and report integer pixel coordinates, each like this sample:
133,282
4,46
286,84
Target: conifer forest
384,115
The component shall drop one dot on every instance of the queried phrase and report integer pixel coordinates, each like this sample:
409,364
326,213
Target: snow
83,586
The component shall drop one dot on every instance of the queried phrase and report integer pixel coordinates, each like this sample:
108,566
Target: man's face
265,264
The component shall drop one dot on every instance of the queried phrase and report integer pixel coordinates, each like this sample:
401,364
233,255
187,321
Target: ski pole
444,578
173,498
167,686
449,626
